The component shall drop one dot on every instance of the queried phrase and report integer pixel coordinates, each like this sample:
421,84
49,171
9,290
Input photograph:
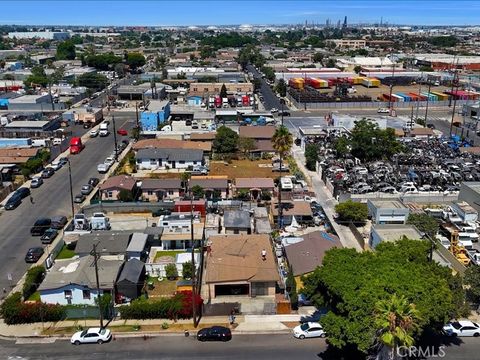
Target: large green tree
350,284
311,156
38,77
226,141
352,211
281,88
135,60
425,223
66,50
93,81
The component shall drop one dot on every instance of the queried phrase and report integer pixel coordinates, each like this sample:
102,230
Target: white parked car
103,168
309,330
462,328
56,165
110,161
94,133
383,111
91,336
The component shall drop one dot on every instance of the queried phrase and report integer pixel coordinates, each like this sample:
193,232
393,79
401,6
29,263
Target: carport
232,289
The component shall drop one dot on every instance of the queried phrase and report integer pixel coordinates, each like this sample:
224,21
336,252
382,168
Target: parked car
122,132
23,192
462,328
303,301
94,133
383,111
36,182
91,336
63,160
102,168
34,254
284,113
47,172
214,333
93,181
110,160
86,189
56,165
79,198
309,330
40,226
200,170
49,236
13,202
58,222
274,110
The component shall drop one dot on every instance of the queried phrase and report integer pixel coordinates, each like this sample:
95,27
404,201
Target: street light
71,186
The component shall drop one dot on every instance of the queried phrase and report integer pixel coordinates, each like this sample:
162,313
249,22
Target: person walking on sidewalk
231,317
31,200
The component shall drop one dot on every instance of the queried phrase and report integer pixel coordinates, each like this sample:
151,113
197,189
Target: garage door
239,289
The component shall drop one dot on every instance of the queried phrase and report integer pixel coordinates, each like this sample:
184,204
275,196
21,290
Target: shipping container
400,98
441,96
370,82
358,80
405,97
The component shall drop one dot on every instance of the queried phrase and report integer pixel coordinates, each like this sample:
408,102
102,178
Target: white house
73,282
155,265
177,223
164,159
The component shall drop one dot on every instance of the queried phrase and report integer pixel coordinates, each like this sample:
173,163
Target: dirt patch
162,288
244,168
290,324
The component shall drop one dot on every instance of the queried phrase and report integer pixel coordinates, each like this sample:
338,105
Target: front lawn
65,253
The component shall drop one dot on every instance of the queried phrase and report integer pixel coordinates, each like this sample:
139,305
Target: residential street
172,347
52,198
270,99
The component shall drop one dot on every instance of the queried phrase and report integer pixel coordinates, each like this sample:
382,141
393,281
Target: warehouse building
45,35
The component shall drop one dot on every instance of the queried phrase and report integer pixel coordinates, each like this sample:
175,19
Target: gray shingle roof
236,219
109,242
170,154
132,271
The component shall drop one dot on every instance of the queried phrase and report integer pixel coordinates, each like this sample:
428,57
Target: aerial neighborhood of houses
234,171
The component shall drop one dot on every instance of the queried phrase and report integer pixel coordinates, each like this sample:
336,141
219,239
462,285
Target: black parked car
58,222
40,226
49,235
283,113
13,202
33,254
79,198
214,333
23,192
47,172
93,181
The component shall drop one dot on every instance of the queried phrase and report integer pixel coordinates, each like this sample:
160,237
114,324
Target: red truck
218,101
76,145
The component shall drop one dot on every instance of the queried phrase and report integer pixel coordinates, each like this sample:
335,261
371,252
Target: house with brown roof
301,210
262,136
255,186
235,266
154,190
17,155
421,132
203,137
304,256
213,188
110,189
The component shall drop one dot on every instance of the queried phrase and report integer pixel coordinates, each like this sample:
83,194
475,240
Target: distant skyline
225,12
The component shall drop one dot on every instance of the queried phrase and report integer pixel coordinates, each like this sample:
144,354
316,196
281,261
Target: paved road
52,198
175,347
270,100
275,347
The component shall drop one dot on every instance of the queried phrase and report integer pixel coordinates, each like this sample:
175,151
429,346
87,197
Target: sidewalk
244,324
326,201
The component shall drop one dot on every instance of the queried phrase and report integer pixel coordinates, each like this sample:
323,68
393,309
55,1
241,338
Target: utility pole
192,239
115,138
71,187
95,263
455,82
138,125
428,97
390,103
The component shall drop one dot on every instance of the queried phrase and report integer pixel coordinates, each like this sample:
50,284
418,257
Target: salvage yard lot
244,168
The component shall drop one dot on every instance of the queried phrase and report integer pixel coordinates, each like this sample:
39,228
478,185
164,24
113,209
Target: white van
103,129
286,183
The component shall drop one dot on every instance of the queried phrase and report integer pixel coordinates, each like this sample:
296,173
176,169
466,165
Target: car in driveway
47,172
462,328
214,333
199,170
309,330
49,236
34,254
79,198
122,132
40,226
91,336
23,192
94,133
58,222
36,182
86,189
13,202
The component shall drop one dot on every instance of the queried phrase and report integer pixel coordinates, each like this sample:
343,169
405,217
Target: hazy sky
178,12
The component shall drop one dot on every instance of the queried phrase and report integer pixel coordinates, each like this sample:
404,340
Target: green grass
65,253
171,253
35,296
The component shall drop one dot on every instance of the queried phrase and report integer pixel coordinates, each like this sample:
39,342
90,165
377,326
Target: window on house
205,89
217,89
153,161
182,161
195,89
110,194
150,192
67,293
139,161
194,163
86,294
165,224
170,192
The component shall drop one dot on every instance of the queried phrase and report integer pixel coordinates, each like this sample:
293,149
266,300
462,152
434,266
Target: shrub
171,271
165,326
187,270
32,280
266,195
14,311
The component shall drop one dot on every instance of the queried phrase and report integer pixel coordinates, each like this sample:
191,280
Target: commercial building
45,35
157,113
387,211
205,89
470,193
392,232
353,44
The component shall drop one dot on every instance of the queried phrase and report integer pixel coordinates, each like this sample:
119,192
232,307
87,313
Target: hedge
14,311
176,307
32,280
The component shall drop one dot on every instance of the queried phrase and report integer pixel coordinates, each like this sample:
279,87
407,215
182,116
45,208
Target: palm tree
396,320
282,142
185,176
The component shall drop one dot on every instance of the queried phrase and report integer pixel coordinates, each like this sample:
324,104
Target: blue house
194,100
157,113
